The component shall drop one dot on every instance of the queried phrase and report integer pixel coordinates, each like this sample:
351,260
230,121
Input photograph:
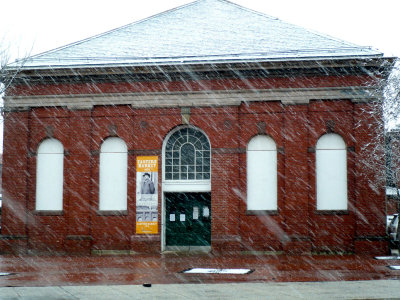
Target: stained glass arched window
187,155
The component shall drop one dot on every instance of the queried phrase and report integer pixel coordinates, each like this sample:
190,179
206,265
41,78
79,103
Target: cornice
191,99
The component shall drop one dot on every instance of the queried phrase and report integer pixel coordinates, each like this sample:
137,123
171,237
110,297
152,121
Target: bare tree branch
7,72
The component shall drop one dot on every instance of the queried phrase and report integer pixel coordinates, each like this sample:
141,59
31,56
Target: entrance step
192,249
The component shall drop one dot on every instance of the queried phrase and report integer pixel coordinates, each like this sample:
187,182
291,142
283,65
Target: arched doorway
186,190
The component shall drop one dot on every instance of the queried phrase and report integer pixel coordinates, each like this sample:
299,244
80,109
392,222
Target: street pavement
161,277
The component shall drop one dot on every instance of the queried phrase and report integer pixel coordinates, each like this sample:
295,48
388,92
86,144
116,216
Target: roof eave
294,62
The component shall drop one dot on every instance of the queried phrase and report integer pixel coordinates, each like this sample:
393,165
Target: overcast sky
35,26
29,27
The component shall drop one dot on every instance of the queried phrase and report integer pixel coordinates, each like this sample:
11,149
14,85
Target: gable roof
204,31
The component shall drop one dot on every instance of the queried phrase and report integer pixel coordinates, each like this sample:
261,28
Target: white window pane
262,174
261,142
113,145
113,175
331,168
49,175
331,141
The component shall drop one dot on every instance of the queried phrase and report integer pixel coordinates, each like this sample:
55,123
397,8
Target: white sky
34,26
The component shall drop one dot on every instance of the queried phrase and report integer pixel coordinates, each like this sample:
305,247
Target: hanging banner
147,195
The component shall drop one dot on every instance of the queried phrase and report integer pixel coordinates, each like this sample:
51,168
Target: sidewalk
374,289
273,277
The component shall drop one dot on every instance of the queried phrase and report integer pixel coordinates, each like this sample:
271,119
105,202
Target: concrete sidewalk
372,289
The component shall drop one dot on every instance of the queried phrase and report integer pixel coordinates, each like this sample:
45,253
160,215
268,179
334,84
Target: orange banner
147,164
147,227
147,195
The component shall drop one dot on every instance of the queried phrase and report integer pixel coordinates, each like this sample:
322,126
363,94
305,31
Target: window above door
187,155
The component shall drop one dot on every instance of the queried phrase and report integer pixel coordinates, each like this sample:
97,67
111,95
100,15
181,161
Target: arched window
187,155
50,175
113,174
331,169
262,174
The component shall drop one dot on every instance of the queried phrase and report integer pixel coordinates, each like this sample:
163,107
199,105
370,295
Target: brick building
209,126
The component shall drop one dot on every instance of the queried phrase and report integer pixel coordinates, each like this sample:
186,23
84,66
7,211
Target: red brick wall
296,227
191,85
15,175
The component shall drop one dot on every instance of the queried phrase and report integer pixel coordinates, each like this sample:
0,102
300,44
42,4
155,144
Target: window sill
332,212
112,212
262,212
48,213
79,237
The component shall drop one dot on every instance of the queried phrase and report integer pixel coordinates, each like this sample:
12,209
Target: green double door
188,219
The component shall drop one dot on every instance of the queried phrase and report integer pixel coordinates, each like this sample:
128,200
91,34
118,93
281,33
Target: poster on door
147,195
